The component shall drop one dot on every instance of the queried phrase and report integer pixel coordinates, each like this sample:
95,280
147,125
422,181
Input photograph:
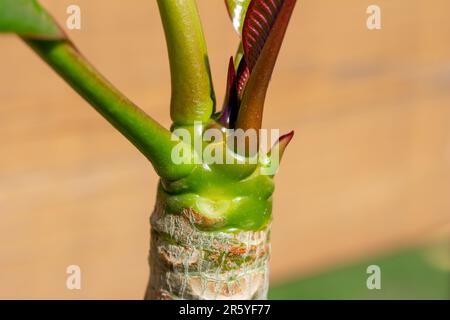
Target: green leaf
28,19
237,10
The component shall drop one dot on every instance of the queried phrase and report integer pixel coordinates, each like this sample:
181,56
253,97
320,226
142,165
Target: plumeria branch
192,88
153,140
45,37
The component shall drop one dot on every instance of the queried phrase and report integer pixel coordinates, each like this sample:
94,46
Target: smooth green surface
409,274
154,141
232,196
28,18
192,89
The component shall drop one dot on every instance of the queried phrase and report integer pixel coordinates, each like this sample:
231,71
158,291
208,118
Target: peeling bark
187,262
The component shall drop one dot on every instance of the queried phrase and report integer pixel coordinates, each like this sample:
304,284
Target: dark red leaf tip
283,142
286,138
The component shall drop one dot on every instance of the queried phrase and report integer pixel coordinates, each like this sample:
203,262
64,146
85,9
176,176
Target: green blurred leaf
408,274
237,10
27,18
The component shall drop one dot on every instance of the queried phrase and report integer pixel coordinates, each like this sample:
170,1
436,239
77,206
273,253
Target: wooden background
368,170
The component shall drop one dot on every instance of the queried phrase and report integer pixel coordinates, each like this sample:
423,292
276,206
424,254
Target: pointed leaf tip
280,146
276,153
284,141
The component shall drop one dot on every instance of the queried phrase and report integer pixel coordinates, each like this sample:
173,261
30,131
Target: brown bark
189,263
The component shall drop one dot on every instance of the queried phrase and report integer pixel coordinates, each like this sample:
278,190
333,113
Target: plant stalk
188,263
192,89
153,140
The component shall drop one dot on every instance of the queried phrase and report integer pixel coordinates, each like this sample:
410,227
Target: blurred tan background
367,172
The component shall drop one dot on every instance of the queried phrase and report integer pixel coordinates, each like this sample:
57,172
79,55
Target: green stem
153,140
192,89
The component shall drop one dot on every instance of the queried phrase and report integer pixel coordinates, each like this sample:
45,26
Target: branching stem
153,140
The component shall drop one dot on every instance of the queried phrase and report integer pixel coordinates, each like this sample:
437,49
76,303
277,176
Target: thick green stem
192,89
154,141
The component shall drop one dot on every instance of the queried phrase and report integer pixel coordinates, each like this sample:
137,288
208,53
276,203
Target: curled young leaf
230,106
259,20
237,10
265,26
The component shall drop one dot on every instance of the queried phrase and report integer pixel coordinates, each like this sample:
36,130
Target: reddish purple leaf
259,20
283,142
278,149
243,74
261,49
231,105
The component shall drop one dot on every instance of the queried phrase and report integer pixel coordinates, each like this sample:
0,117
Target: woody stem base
189,263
